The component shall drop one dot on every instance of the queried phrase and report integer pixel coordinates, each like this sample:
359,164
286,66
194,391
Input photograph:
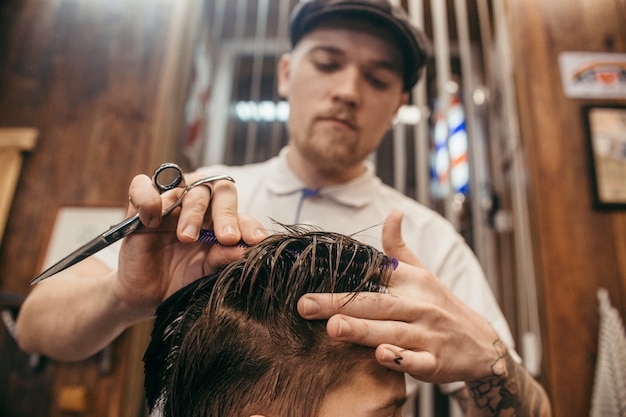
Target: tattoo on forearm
509,391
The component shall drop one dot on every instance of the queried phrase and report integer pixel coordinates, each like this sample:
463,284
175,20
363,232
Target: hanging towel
609,387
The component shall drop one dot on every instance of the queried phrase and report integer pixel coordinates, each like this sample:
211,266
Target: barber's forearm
510,391
71,317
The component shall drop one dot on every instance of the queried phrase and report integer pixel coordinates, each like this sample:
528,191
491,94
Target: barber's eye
325,66
376,82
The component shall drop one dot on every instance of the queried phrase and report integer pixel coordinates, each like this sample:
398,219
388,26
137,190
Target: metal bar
257,75
34,359
422,173
214,150
217,25
399,157
426,403
420,130
483,239
221,92
442,60
283,19
399,149
528,313
239,36
501,219
226,66
486,38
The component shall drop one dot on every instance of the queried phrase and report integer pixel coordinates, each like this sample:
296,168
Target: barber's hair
233,344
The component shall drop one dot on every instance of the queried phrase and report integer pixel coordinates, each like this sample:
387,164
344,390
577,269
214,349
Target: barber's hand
420,328
162,257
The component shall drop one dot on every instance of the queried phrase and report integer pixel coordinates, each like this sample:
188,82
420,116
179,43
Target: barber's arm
77,312
515,392
424,330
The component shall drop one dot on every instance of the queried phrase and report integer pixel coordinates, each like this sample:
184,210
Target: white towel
609,387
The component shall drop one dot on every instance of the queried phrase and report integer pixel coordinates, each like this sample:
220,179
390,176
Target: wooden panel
104,82
13,142
578,248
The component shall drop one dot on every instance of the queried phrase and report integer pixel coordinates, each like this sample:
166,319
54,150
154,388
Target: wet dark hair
233,343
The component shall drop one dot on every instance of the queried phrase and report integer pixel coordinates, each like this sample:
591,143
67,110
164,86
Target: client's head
232,344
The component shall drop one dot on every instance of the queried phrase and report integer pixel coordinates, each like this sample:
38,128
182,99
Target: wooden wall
578,248
104,82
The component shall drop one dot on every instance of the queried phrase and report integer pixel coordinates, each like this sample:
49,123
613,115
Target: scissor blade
73,258
115,233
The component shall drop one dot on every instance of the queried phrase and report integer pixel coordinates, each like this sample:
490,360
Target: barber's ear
404,99
284,66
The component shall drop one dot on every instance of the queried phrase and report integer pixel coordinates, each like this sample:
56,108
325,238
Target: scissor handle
167,177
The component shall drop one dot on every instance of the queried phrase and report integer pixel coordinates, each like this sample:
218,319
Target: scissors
166,177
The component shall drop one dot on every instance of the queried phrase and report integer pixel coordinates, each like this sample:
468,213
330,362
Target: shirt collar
354,193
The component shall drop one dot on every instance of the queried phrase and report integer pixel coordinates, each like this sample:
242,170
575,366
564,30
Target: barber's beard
333,151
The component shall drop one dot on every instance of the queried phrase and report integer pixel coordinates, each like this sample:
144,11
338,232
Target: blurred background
95,92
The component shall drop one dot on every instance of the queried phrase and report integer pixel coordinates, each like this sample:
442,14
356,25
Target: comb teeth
393,263
208,237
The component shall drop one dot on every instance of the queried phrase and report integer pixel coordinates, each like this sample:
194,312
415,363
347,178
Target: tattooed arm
435,345
509,391
422,329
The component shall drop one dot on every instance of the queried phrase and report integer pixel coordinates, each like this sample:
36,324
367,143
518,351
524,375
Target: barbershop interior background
500,137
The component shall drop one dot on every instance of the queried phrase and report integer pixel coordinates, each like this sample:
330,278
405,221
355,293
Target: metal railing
498,230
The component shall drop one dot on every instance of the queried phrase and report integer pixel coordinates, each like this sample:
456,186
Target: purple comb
208,237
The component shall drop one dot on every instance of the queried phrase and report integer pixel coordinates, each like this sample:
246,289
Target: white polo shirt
270,191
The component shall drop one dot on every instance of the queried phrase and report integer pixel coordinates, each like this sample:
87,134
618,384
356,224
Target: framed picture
76,225
606,131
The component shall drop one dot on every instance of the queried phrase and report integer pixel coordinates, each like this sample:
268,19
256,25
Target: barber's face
374,391
344,88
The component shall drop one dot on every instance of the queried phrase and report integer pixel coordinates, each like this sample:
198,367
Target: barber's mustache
340,113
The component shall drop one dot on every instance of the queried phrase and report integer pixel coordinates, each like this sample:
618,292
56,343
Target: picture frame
14,142
75,225
606,135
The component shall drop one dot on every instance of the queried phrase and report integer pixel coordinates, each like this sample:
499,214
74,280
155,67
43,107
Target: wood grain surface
104,83
578,247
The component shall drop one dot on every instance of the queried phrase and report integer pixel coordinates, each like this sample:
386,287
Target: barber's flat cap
414,44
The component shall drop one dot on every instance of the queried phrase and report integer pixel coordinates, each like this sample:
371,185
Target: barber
351,68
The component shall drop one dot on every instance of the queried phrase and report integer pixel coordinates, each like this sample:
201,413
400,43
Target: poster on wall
76,225
593,75
607,139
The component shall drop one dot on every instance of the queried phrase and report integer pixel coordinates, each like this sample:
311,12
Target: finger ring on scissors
169,176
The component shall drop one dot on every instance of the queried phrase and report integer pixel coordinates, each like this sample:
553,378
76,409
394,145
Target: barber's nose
348,87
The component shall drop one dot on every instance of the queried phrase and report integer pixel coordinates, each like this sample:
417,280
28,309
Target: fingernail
191,231
344,328
260,233
310,307
391,356
153,221
228,230
387,355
